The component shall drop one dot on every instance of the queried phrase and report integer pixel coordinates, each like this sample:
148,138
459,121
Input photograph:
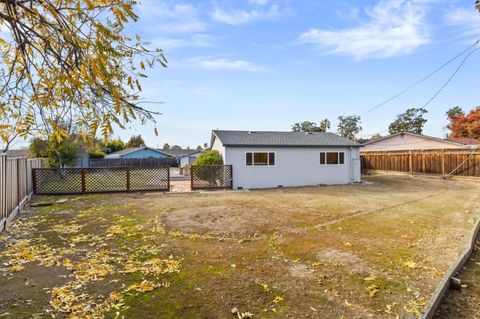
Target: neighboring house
189,159
277,159
178,154
467,141
138,152
408,142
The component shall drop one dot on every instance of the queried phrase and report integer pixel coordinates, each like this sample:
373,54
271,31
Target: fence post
34,180
82,172
168,178
231,176
443,162
3,188
410,162
191,177
128,178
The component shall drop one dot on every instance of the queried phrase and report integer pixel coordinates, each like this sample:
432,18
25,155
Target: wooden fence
435,162
16,185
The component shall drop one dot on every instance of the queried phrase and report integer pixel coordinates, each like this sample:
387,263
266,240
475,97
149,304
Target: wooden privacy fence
211,177
64,181
133,162
437,162
16,185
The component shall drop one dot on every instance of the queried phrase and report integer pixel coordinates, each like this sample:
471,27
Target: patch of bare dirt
347,259
301,271
220,220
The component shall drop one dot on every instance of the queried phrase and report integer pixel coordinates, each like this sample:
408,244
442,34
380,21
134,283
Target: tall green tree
349,126
324,125
166,146
71,60
410,121
135,141
112,146
455,111
305,126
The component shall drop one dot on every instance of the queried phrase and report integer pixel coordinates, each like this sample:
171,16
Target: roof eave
291,146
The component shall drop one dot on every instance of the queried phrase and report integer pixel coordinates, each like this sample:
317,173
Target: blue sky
266,64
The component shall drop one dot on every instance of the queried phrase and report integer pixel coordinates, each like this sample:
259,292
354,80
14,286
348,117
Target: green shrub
209,158
209,167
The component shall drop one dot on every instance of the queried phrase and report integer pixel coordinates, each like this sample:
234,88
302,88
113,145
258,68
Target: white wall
218,146
293,167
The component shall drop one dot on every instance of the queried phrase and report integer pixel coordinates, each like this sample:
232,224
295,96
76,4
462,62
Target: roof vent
251,132
308,133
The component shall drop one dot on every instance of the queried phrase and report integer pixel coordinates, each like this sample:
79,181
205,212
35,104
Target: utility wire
422,79
443,86
451,77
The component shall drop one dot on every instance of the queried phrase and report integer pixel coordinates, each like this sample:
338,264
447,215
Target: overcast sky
265,64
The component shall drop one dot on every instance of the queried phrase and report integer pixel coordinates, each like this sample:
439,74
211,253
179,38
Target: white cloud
467,19
222,64
392,28
240,17
170,18
196,40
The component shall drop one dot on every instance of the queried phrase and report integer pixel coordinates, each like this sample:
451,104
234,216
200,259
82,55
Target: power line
450,78
422,79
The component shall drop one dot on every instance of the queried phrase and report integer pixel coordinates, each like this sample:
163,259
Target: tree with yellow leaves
70,61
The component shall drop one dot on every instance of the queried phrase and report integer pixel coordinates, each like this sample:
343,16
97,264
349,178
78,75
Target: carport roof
281,139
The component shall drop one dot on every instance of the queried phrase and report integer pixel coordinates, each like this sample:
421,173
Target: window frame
268,158
325,158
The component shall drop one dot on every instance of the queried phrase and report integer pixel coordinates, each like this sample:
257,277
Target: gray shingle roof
282,139
181,152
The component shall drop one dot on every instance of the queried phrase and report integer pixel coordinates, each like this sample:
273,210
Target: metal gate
64,181
212,177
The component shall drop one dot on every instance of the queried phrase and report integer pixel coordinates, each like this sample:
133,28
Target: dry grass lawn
356,251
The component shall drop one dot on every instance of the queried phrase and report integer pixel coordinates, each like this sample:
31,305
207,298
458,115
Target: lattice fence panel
57,181
149,178
218,176
98,180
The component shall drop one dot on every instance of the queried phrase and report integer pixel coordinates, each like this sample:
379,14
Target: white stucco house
287,159
189,159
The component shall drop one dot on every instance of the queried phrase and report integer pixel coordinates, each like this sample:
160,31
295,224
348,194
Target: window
332,158
260,158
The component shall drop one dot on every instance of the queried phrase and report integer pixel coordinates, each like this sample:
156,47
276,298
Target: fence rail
212,177
437,162
64,181
16,185
133,162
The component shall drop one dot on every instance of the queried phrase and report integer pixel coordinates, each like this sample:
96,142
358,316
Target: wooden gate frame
213,187
83,182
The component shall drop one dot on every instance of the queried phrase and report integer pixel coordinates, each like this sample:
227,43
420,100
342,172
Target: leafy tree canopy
135,141
456,111
305,126
112,146
465,125
410,121
166,146
324,125
211,157
71,60
349,126
176,147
